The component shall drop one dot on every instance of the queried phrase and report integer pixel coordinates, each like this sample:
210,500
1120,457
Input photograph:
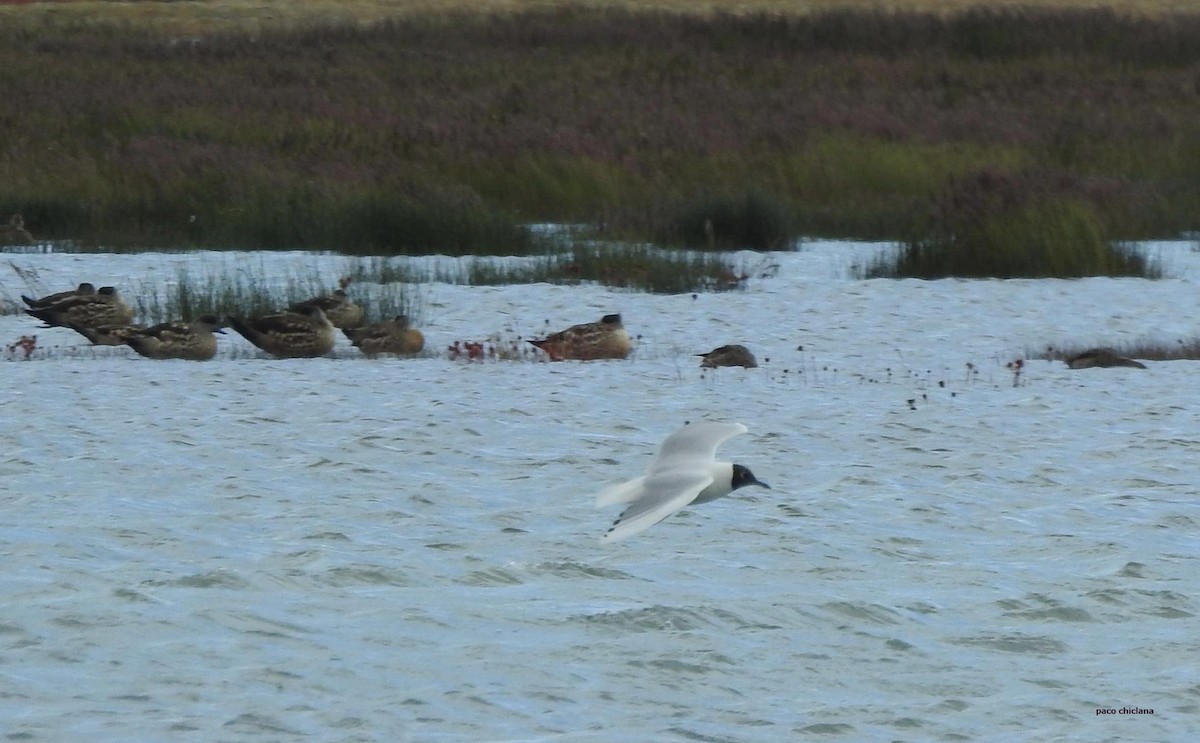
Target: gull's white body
683,473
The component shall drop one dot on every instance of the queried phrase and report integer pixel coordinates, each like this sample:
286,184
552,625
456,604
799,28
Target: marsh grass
382,288
625,266
183,19
1001,225
444,132
246,293
390,286
753,221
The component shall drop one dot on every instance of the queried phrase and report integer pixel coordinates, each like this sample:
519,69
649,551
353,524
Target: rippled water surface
365,550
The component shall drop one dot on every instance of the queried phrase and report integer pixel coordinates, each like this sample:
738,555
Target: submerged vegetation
446,132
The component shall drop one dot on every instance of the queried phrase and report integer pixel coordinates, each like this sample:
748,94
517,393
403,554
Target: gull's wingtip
622,530
626,525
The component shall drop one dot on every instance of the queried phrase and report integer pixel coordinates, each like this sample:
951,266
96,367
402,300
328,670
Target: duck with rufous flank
606,339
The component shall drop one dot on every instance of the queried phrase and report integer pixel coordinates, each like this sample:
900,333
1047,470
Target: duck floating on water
191,341
731,355
388,336
289,335
1101,357
83,290
107,335
338,307
606,339
104,307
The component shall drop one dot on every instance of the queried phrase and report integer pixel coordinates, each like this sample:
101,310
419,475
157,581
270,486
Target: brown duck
606,339
388,336
104,307
83,290
338,307
731,355
289,335
1101,357
192,341
106,335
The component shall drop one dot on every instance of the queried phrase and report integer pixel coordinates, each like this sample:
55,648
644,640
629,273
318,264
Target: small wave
572,569
1020,644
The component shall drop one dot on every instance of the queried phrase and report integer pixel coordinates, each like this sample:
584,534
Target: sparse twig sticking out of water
1016,367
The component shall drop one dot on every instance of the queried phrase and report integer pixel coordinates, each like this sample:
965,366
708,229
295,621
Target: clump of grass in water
636,267
244,293
382,270
753,221
10,304
1001,225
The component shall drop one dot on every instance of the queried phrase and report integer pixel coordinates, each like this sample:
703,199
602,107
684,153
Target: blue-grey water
346,549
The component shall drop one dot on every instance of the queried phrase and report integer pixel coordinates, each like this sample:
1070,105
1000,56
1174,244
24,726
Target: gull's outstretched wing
694,443
660,495
626,492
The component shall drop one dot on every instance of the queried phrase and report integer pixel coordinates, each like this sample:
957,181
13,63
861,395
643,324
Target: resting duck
289,335
193,341
106,335
1101,357
606,339
731,355
104,307
387,336
338,307
83,290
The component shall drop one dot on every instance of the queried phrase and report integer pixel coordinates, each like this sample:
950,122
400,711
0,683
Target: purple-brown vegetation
27,344
445,133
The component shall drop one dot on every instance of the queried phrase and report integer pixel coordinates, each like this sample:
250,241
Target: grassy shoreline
207,16
373,132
